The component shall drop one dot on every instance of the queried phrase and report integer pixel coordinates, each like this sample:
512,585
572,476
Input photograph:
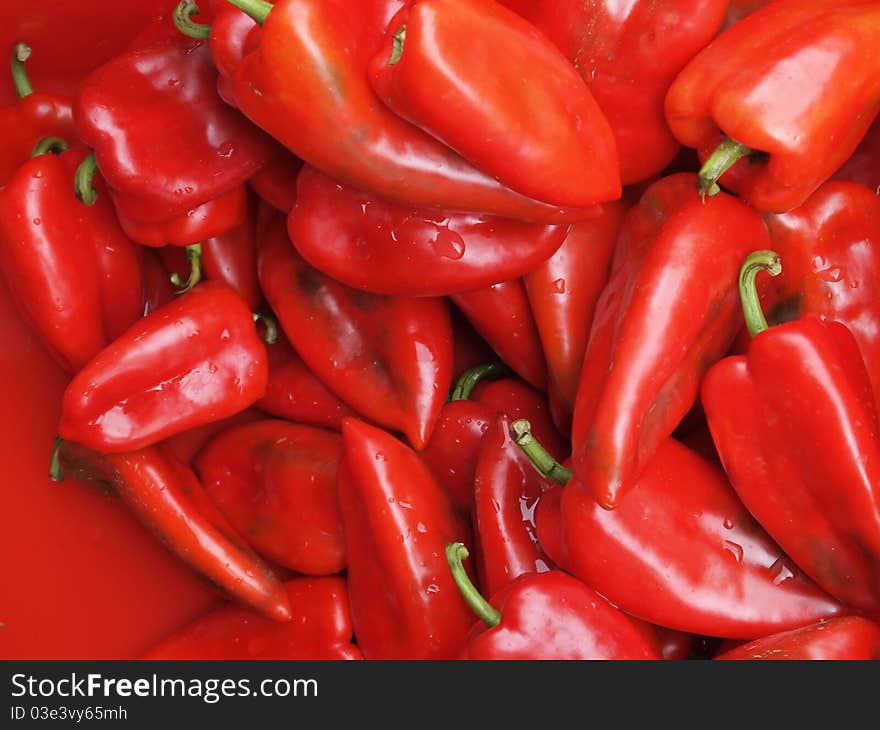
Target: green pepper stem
85,173
270,336
257,9
55,145
183,21
21,51
469,379
751,303
544,463
456,552
56,471
194,258
725,156
397,41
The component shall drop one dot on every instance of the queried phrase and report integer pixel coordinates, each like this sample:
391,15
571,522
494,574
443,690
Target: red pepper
796,428
321,629
739,9
371,244
35,117
276,182
156,486
197,359
502,315
469,72
547,616
681,550
389,358
629,56
793,87
337,124
847,638
562,294
154,109
73,274
397,522
276,482
863,166
669,311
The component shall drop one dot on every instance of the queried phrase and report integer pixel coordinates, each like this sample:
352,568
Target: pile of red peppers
474,329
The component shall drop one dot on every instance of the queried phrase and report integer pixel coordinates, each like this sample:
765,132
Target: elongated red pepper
397,522
321,629
371,244
847,638
276,482
197,359
336,123
796,428
680,551
793,87
155,485
669,311
389,358
547,615
73,274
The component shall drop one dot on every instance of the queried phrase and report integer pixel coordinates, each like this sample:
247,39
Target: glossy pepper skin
546,616
73,274
321,629
156,486
155,108
371,244
668,312
847,638
195,360
796,429
629,54
863,166
397,522
389,358
470,71
276,482
797,81
336,123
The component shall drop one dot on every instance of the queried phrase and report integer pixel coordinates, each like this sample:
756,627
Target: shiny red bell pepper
160,133
563,292
321,629
197,359
276,483
374,245
549,615
470,72
847,638
397,522
34,117
796,428
73,274
669,311
629,54
502,315
681,550
336,123
793,88
389,358
157,487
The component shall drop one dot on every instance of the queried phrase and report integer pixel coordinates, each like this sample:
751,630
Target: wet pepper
796,428
793,88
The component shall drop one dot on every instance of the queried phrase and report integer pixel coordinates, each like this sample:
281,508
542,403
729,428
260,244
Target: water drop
559,286
780,572
729,523
448,244
734,549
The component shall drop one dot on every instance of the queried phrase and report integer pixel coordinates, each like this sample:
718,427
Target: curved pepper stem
469,379
544,463
56,471
456,552
756,262
194,258
21,52
725,156
55,145
257,9
183,21
85,173
397,41
270,325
